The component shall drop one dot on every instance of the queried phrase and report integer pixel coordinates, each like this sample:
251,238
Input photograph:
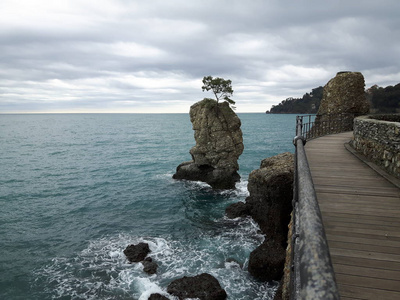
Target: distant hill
382,100
308,104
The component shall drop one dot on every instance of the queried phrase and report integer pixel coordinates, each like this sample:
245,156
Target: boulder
203,287
137,253
219,143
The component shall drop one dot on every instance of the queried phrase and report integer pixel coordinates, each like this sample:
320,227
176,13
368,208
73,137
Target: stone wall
378,138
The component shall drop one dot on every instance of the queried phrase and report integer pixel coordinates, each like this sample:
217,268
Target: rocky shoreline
270,205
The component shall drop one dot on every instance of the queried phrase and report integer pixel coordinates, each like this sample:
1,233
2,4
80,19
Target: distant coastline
382,100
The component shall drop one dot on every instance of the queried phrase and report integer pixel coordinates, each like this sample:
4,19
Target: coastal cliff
270,205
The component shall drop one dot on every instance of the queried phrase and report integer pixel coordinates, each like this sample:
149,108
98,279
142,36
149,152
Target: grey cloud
122,52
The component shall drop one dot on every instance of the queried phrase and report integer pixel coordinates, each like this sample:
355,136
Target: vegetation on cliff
384,100
308,104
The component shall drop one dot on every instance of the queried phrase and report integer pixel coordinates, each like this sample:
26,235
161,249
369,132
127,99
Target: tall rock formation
344,94
342,100
219,143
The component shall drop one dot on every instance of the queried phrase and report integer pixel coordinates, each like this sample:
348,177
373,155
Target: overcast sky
150,56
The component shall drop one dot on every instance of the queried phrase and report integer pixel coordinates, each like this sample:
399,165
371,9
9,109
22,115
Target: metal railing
318,125
312,275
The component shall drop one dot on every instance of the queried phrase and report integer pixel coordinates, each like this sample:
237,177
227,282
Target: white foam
240,190
146,287
102,269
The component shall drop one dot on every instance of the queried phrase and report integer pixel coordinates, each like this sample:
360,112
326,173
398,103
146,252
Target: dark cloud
137,56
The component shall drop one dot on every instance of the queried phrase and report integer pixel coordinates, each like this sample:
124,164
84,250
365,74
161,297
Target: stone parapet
377,137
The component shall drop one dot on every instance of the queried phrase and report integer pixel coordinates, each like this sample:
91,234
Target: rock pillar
219,143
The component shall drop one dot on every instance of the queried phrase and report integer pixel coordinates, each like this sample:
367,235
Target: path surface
361,215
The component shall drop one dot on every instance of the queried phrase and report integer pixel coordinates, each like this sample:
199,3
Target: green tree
221,88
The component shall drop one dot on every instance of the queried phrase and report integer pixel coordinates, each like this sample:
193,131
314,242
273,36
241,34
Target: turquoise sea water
76,189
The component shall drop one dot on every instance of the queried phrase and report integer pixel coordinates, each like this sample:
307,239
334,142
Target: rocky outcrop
343,99
344,94
203,287
270,205
219,144
138,253
271,194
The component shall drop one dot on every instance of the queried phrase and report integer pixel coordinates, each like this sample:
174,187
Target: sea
77,189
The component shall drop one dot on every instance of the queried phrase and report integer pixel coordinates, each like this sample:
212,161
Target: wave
101,271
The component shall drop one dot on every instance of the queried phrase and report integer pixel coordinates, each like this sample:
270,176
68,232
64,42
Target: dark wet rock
203,287
283,292
266,262
219,143
149,266
270,205
271,194
236,210
137,253
157,297
148,259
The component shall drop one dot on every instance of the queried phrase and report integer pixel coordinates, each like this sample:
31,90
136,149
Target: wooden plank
366,211
367,272
364,262
361,219
367,293
363,241
366,254
368,282
363,247
337,189
364,225
345,232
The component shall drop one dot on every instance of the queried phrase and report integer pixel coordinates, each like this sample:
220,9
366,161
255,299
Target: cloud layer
150,56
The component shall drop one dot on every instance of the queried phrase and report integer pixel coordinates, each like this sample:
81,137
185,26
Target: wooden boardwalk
361,215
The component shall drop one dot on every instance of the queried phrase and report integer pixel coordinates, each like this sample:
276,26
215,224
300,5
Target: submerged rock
149,266
219,143
137,253
203,287
157,297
